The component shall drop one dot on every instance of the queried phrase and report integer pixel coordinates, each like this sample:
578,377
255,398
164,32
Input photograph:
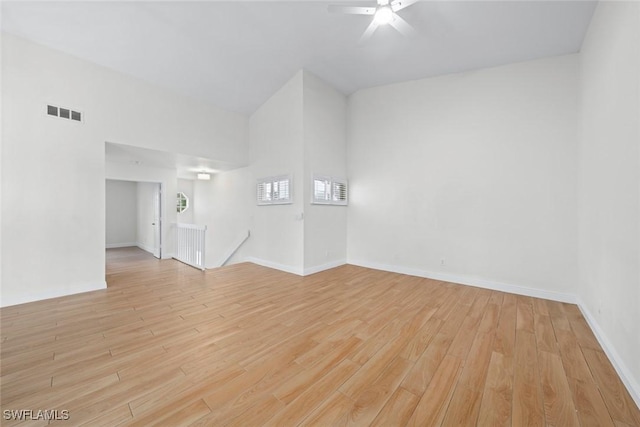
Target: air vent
64,113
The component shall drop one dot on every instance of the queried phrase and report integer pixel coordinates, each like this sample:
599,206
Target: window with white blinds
329,190
274,190
339,192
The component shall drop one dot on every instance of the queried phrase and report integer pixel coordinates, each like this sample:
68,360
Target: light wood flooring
245,345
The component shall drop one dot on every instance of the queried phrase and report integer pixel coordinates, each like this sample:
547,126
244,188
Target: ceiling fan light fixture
384,15
203,176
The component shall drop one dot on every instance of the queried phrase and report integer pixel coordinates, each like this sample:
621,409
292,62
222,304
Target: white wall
477,169
276,135
67,240
325,152
57,215
121,214
186,186
224,205
609,204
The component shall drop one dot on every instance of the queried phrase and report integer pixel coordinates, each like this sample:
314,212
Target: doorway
134,215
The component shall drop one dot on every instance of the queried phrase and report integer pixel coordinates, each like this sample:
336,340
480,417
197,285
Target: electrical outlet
441,261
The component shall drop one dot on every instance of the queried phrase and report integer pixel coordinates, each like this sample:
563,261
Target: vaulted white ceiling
237,54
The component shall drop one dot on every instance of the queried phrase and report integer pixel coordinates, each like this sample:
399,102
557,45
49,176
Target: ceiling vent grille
64,113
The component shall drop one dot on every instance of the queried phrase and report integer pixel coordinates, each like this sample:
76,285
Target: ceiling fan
384,13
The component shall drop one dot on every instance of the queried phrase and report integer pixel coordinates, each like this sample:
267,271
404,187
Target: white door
157,221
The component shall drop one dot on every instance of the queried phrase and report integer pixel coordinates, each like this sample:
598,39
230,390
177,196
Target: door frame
157,221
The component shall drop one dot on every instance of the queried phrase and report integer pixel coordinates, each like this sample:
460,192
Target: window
328,190
182,203
274,191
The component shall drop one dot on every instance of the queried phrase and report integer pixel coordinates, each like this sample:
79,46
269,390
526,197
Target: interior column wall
325,153
276,148
609,203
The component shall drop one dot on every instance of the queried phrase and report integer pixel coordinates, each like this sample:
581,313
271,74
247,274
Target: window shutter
274,190
329,191
339,192
321,190
264,192
281,190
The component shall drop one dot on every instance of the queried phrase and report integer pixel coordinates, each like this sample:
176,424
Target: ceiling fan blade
401,4
352,10
402,26
368,32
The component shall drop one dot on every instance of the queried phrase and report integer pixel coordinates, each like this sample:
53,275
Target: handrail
239,242
190,244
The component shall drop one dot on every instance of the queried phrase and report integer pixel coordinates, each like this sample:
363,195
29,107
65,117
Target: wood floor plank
371,400
397,410
118,416
175,417
490,318
525,314
166,344
464,407
477,362
418,379
371,370
432,407
573,360
583,333
462,341
545,336
295,386
528,409
616,397
419,343
559,408
307,400
592,410
506,332
330,411
266,408
495,408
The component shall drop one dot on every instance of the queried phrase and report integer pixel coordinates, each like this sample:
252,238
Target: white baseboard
277,266
120,245
296,270
318,268
53,293
471,281
618,364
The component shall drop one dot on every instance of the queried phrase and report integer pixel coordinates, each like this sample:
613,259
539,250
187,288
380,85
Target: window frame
272,182
181,196
332,182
